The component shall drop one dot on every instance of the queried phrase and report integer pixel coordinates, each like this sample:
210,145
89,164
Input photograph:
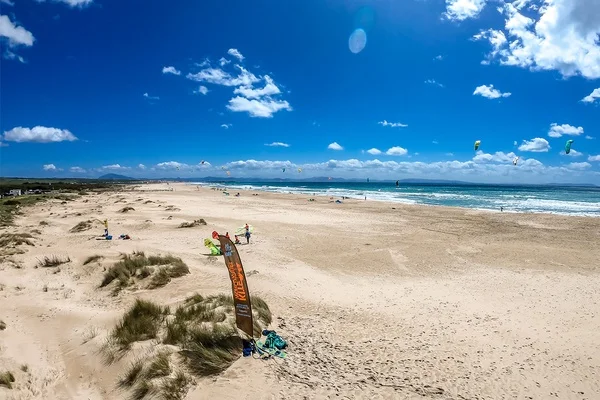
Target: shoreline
388,202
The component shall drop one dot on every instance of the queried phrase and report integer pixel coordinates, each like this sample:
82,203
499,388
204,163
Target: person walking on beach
105,227
247,234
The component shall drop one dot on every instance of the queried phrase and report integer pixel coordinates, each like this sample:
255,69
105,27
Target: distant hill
115,177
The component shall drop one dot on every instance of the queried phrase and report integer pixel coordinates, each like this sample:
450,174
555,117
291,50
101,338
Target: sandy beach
377,300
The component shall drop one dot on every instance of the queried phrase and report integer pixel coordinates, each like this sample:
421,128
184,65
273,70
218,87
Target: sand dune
377,301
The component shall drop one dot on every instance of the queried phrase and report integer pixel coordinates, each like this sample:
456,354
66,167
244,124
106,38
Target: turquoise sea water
582,201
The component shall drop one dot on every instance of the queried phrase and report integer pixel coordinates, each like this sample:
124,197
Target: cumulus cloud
203,90
259,165
460,10
14,36
217,76
77,170
515,143
489,92
572,153
277,144
250,93
235,53
171,165
594,158
223,61
396,151
225,126
433,82
374,151
49,167
38,134
335,146
561,35
498,157
263,108
579,165
438,57
592,97
589,137
392,124
114,167
171,70
141,166
536,145
557,131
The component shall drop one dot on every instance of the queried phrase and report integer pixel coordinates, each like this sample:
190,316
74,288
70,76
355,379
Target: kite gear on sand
272,345
214,251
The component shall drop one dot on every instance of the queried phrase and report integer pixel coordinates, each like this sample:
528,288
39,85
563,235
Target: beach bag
273,340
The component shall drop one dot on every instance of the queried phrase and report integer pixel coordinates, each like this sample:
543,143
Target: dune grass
44,223
126,209
198,337
52,261
11,207
91,259
196,222
2,325
137,266
82,226
15,239
7,379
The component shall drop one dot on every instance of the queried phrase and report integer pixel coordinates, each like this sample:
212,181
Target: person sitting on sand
237,240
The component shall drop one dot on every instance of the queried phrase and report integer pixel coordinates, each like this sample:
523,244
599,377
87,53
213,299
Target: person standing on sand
247,234
105,227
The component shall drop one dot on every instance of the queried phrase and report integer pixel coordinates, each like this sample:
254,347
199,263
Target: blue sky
381,89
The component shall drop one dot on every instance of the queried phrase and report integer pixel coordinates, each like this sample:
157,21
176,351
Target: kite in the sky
568,146
477,143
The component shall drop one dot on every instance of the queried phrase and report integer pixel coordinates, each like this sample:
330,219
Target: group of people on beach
247,235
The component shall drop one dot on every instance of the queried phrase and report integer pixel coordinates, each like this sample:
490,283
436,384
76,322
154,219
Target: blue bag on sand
247,348
273,340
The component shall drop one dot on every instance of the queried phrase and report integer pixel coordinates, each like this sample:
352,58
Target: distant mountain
115,177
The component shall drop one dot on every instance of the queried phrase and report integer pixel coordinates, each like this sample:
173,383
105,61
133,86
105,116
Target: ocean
582,201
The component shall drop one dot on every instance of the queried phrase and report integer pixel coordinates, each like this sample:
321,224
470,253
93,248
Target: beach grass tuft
196,222
91,259
15,239
2,325
126,209
7,379
141,322
82,226
53,261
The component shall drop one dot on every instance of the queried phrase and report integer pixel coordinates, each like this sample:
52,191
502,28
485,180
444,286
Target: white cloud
277,144
433,82
263,108
10,55
269,89
225,126
115,167
589,137
141,166
146,95
459,10
557,131
572,153
223,61
72,3
438,57
592,97
497,157
496,38
594,158
15,35
77,170
38,134
171,70
435,142
396,151
203,90
235,53
374,151
172,165
259,165
536,145
450,154
7,2
392,124
49,167
219,77
489,92
335,146
579,165
561,35
515,143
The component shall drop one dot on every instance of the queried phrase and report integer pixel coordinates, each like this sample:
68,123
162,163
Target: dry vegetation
126,209
15,239
196,222
91,259
6,379
199,337
2,325
82,226
137,266
52,261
